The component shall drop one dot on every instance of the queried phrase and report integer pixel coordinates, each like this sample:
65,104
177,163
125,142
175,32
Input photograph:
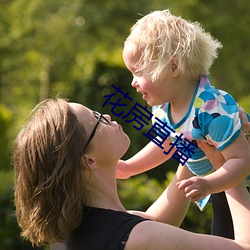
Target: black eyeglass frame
100,118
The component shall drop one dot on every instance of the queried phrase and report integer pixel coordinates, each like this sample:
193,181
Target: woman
65,191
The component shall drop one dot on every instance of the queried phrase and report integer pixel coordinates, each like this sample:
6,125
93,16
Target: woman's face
109,140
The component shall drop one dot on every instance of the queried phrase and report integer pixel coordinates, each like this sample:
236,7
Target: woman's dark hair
49,180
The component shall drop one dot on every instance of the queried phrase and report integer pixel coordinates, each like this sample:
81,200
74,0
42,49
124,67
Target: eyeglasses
100,118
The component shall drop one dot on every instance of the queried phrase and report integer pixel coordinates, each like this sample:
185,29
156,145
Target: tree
72,48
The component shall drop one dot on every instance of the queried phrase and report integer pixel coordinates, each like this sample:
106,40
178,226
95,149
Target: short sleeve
218,118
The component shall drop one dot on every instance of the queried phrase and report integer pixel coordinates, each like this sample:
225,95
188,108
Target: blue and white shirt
213,115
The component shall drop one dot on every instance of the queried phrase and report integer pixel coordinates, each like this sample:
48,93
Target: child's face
152,92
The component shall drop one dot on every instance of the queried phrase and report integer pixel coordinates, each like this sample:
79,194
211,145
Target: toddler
170,59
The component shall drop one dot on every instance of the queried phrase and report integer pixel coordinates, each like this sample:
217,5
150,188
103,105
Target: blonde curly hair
49,181
161,36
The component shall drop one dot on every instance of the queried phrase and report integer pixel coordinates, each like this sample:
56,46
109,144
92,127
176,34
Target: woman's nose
108,117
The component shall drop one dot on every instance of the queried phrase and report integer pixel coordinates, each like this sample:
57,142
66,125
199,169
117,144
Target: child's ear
175,66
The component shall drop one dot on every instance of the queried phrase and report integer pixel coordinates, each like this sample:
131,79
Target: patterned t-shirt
213,115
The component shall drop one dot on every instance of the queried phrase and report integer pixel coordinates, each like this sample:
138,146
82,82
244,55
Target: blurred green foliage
9,231
72,48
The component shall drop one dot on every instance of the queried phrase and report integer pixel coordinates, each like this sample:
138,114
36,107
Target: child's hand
122,170
194,187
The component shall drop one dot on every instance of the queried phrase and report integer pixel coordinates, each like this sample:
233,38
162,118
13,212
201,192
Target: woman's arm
239,203
160,236
171,207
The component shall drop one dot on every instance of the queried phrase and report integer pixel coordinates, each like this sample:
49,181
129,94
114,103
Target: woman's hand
245,124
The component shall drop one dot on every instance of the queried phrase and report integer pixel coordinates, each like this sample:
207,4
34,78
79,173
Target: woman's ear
175,66
89,161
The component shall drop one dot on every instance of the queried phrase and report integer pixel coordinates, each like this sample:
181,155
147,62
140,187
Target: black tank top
102,229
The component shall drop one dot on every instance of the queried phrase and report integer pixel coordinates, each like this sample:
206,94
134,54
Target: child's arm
149,157
234,171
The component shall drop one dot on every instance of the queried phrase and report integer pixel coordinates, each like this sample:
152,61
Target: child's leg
222,224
